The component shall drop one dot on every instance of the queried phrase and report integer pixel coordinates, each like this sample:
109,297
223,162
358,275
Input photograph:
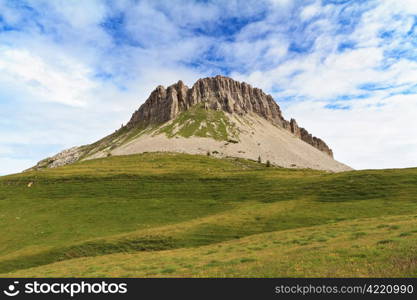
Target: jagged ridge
218,93
220,116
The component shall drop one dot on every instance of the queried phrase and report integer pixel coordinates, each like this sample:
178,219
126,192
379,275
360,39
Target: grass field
156,214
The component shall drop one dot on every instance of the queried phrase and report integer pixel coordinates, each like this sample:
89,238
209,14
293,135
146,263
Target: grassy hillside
184,215
201,122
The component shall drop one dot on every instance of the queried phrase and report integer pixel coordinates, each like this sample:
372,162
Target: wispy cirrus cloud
72,71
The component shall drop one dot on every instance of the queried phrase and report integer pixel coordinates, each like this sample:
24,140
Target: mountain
217,116
161,213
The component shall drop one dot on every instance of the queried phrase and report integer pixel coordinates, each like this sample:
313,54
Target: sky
73,71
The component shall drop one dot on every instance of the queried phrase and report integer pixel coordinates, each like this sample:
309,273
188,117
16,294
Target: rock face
304,135
218,93
63,158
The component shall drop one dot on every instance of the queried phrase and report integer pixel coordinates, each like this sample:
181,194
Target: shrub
268,163
259,159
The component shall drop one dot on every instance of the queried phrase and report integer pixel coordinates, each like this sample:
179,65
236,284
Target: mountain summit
217,116
217,93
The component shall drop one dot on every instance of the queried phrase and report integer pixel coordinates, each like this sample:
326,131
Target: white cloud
405,6
5,150
90,13
9,165
338,74
65,82
367,135
281,3
310,11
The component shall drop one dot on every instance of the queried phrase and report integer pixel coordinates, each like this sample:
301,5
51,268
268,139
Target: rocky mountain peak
217,93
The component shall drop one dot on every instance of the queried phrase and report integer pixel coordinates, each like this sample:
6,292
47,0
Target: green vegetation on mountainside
201,122
179,205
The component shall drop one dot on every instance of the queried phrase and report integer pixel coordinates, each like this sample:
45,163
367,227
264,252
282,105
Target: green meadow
180,215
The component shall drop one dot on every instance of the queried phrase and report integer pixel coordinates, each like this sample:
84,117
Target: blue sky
73,71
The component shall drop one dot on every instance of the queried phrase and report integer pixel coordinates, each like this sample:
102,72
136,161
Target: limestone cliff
217,115
218,93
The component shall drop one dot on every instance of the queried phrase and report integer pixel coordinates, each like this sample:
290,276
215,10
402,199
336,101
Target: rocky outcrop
294,128
304,135
315,142
219,93
63,158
